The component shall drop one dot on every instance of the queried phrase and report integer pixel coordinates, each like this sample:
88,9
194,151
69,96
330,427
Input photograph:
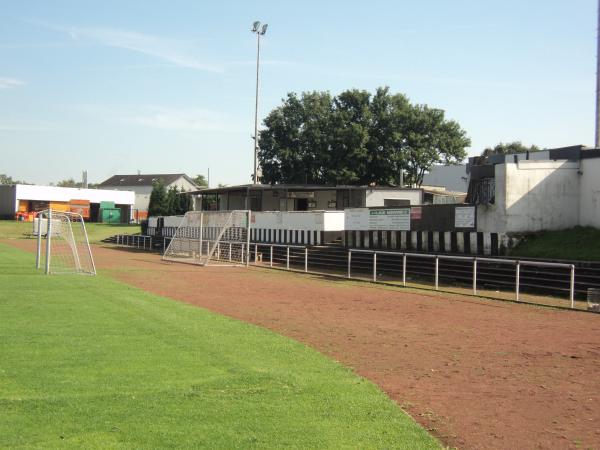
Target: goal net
211,237
62,243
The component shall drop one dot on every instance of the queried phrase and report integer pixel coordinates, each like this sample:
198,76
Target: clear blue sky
168,86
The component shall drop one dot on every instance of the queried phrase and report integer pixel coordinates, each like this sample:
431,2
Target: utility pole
597,137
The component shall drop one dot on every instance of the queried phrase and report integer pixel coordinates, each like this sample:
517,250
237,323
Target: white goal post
67,248
211,237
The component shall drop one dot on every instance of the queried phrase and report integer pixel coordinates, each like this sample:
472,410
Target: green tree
70,182
356,138
184,203
509,148
6,179
200,180
158,199
172,201
430,139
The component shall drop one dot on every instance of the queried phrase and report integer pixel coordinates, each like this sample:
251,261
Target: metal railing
138,241
475,260
302,259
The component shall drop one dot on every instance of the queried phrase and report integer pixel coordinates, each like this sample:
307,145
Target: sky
113,87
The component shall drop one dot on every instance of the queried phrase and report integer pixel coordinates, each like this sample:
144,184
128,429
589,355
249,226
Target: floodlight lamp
255,26
264,28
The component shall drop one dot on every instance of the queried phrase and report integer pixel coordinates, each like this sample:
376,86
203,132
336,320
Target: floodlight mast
256,28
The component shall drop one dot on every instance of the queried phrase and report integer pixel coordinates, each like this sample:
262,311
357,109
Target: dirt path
477,374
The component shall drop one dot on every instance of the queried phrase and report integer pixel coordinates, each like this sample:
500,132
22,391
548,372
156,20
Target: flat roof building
305,197
25,198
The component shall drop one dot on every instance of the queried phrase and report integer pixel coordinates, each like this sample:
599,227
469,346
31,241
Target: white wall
299,220
375,197
533,196
64,194
589,209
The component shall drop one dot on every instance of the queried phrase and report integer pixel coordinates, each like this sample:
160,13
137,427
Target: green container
107,205
110,215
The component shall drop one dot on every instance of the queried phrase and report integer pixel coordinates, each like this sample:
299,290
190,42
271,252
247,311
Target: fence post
287,261
349,262
255,253
230,252
474,276
150,244
374,266
271,258
437,272
48,238
243,252
306,259
404,269
38,253
164,244
572,286
518,274
201,235
218,251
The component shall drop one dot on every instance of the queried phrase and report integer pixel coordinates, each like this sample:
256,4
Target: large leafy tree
356,138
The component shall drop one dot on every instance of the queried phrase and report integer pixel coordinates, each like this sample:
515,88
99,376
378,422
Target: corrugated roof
143,179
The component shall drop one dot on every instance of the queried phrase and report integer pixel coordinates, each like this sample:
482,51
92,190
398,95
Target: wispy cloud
26,126
9,83
180,119
166,118
166,49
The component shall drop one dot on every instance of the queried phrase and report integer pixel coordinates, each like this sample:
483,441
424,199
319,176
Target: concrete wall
533,196
376,197
589,209
453,178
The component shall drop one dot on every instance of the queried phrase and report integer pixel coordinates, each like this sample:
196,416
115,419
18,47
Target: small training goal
62,243
211,237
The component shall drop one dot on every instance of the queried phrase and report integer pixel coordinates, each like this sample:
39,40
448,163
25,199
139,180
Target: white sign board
377,219
464,217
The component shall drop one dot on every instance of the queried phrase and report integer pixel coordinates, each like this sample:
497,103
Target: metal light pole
597,136
259,31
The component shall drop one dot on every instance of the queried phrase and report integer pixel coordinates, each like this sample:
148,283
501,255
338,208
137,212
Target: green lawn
582,243
12,229
87,362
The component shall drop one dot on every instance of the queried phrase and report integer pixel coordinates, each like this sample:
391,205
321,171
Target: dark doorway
301,204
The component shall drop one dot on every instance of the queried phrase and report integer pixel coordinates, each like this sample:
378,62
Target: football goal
211,237
62,243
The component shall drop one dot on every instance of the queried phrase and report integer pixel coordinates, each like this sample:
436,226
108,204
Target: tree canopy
6,179
169,202
509,148
200,180
356,138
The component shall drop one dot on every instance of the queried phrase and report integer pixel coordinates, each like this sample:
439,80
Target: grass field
88,362
581,243
12,229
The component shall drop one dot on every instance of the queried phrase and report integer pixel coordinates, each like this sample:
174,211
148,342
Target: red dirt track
478,374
